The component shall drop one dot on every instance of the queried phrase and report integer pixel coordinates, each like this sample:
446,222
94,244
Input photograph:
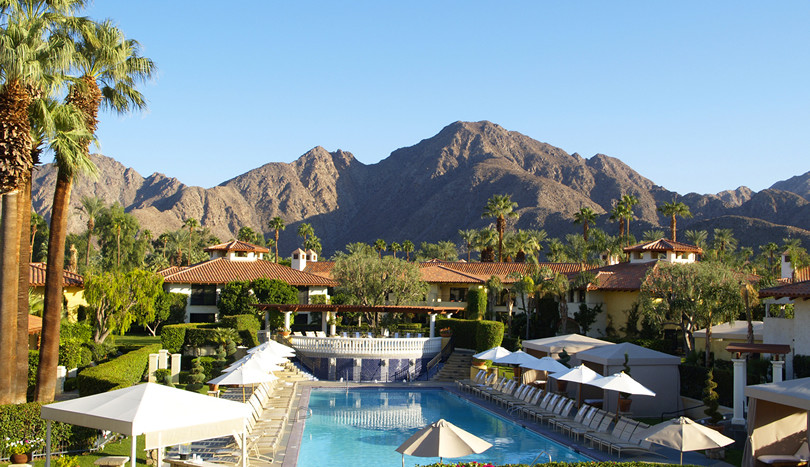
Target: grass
138,341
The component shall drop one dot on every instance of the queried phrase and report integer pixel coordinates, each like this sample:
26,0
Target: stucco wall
614,310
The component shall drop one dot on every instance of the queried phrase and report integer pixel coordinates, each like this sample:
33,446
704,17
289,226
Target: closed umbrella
492,354
442,439
684,434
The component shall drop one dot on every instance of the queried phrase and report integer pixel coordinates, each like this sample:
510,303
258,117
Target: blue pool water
364,426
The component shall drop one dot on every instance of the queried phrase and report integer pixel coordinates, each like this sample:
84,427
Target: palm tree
469,238
770,249
192,224
485,242
313,243
724,240
277,224
697,238
534,244
109,68
672,210
549,283
380,246
305,230
619,214
500,207
91,205
585,216
652,235
629,201
407,247
395,247
447,250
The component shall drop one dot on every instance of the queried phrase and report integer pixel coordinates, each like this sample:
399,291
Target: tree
169,308
407,247
313,243
236,298
523,287
380,246
500,207
697,238
120,299
191,224
468,236
693,296
619,214
585,216
551,284
494,288
444,250
92,206
652,235
485,242
277,224
247,234
395,247
724,241
305,231
117,231
629,201
673,210
272,291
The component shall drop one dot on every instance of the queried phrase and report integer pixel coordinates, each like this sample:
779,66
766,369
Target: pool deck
290,442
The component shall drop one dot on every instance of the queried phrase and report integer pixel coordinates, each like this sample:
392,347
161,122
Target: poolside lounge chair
803,453
489,381
620,433
464,384
520,395
532,400
547,401
310,333
635,444
525,397
562,410
298,334
592,425
486,391
559,423
320,334
513,393
507,388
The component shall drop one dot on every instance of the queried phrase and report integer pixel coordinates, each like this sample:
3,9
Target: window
203,294
458,294
241,254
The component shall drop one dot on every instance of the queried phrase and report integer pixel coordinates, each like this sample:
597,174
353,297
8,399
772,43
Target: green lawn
136,340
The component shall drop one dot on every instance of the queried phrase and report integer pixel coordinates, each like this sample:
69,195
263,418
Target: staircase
456,367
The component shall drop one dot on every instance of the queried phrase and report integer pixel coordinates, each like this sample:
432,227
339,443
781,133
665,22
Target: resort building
783,327
72,287
235,261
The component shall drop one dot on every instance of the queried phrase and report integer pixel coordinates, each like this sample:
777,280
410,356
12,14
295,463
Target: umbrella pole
134,438
403,460
48,444
681,457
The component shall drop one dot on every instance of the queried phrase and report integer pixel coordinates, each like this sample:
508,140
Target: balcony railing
347,347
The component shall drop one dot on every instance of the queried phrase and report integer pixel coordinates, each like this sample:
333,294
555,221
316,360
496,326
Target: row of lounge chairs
598,427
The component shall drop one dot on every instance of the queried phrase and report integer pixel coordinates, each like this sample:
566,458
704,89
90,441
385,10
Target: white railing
367,347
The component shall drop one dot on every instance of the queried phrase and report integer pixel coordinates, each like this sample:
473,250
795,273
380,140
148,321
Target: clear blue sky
697,96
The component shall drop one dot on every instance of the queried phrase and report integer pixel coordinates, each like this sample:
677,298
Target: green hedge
173,336
118,373
476,303
801,366
202,335
474,334
246,326
23,421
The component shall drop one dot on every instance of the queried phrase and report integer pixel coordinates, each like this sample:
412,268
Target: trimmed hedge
173,336
474,334
246,326
118,373
801,366
476,303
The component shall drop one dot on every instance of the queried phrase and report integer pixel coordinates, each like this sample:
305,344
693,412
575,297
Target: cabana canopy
166,415
655,370
552,346
777,419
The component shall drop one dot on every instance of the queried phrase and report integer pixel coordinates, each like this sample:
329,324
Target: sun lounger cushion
803,453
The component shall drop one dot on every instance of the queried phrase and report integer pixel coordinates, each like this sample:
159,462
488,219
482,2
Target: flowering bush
22,446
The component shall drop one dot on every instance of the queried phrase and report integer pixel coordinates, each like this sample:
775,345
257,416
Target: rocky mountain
800,184
428,191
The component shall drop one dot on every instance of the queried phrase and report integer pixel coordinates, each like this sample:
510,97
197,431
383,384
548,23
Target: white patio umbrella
243,376
280,349
546,364
622,382
266,358
579,374
442,439
684,434
257,364
492,354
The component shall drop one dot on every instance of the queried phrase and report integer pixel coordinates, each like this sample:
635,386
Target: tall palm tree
92,206
629,201
407,247
652,235
447,250
277,224
585,216
485,242
697,238
724,240
305,230
468,236
619,214
380,245
674,210
500,207
109,67
395,247
191,223
770,249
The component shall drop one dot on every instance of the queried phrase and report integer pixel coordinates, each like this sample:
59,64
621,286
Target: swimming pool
363,427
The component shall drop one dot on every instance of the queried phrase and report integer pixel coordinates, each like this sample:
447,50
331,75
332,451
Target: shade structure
578,374
572,343
622,382
167,416
243,376
492,354
516,358
442,439
262,364
684,434
546,364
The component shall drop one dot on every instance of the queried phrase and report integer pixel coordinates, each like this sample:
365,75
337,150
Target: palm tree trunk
54,277
672,227
90,226
21,342
276,246
9,259
33,233
501,228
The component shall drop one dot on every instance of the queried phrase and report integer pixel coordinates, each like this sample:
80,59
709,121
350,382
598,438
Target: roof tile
36,276
664,245
222,271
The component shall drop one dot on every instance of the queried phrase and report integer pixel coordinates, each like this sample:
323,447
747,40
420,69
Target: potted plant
20,451
446,332
712,402
564,358
284,332
624,398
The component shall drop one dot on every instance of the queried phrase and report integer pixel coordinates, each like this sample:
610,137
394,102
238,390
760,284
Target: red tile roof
237,245
170,270
223,270
621,277
664,245
436,271
36,276
793,290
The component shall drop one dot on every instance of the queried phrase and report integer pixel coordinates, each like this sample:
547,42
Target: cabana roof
573,343
793,393
637,355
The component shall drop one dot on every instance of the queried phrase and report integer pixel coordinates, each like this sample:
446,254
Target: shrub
202,335
476,303
23,420
173,336
488,334
246,326
801,366
711,398
70,353
473,334
118,373
512,344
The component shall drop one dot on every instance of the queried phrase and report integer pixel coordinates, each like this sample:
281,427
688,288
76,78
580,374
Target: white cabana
167,416
572,343
777,419
655,370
